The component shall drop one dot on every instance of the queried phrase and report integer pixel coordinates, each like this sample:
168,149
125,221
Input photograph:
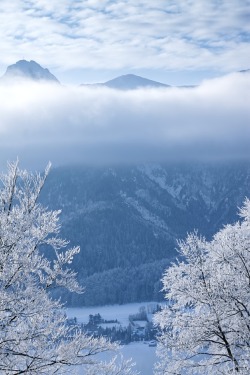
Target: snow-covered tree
34,335
205,327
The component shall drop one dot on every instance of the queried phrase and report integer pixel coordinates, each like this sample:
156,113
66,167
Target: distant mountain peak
24,69
129,82
245,71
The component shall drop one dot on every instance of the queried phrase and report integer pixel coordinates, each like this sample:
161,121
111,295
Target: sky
172,41
177,42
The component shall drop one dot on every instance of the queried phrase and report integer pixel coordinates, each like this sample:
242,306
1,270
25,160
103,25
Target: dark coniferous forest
127,221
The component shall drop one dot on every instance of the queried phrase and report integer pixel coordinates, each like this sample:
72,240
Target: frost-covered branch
205,328
35,337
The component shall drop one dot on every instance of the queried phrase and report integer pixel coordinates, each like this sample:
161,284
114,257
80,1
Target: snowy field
140,352
110,312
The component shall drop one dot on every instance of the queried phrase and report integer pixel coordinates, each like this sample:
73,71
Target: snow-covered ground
141,353
110,312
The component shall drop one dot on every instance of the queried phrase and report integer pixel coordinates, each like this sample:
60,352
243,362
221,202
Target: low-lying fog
41,122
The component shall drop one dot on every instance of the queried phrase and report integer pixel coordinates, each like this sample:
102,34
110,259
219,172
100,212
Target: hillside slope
127,220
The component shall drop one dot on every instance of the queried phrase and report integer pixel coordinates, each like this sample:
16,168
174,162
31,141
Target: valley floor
141,352
110,312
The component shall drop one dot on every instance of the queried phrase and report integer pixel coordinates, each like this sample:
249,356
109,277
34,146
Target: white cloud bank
49,122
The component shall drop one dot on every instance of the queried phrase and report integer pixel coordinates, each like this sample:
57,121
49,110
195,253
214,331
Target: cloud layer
168,34
48,122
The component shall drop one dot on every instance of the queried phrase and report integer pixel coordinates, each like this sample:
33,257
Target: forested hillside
127,220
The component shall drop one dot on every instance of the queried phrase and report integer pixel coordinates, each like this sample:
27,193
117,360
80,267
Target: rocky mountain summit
28,70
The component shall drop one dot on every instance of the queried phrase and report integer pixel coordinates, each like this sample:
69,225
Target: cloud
99,125
170,35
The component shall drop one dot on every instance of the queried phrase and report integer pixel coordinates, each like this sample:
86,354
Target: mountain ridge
31,70
129,82
127,220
